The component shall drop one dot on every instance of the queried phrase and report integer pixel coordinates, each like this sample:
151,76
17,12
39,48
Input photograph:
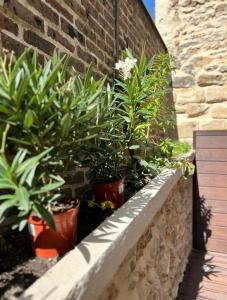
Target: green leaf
66,124
22,224
29,119
23,198
5,206
48,187
19,158
44,214
127,119
6,183
30,163
134,147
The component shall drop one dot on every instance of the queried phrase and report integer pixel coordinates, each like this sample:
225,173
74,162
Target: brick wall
90,30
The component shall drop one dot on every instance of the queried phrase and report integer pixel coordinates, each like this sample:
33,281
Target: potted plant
49,107
33,194
105,173
140,93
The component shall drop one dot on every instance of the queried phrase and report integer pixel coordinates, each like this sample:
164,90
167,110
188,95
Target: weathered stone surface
216,94
219,111
182,80
223,69
184,2
195,33
154,266
185,96
180,109
185,129
210,124
195,110
207,79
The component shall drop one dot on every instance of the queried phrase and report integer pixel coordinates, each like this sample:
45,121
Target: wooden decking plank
205,277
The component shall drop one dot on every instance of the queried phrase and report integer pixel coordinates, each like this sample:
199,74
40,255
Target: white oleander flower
126,66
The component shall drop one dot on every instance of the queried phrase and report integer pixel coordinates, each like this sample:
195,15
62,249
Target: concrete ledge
85,271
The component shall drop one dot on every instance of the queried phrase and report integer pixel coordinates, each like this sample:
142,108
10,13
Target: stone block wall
195,33
154,268
91,31
138,253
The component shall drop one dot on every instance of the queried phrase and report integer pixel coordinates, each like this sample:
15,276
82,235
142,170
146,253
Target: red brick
37,41
72,31
45,10
89,33
59,8
77,64
86,56
11,44
8,24
76,8
95,50
55,35
23,13
68,28
96,27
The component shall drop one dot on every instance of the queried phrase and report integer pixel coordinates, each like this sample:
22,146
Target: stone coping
86,270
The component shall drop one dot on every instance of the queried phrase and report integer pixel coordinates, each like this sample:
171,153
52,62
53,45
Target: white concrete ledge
85,271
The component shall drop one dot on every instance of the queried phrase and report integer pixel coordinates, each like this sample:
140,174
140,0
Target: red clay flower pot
113,191
49,243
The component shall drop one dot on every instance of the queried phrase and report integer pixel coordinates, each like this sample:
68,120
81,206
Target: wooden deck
205,277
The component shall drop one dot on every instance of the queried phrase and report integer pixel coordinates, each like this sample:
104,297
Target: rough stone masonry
195,32
154,268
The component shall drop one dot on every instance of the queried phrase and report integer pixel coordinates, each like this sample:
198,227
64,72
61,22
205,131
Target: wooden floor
205,277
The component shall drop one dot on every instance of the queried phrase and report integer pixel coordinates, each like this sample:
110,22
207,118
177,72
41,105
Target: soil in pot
49,243
113,192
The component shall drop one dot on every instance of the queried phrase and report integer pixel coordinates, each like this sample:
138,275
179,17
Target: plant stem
4,136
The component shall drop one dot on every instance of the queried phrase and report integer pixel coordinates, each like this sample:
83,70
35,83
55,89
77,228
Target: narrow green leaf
23,198
134,147
19,158
43,213
48,187
29,119
66,124
5,206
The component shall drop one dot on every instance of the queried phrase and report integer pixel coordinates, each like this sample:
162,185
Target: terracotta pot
50,243
110,191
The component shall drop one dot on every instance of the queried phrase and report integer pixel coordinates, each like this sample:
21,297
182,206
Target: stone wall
140,252
154,268
195,33
89,30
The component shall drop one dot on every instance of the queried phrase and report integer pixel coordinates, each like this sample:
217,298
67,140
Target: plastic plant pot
49,243
113,191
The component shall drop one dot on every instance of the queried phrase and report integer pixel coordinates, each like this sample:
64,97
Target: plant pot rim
33,219
110,183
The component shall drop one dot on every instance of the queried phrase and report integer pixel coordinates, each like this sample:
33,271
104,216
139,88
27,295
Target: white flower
126,66
119,65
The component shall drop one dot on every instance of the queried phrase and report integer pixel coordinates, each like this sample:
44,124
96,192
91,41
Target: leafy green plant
180,147
169,154
141,94
104,162
46,107
23,190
